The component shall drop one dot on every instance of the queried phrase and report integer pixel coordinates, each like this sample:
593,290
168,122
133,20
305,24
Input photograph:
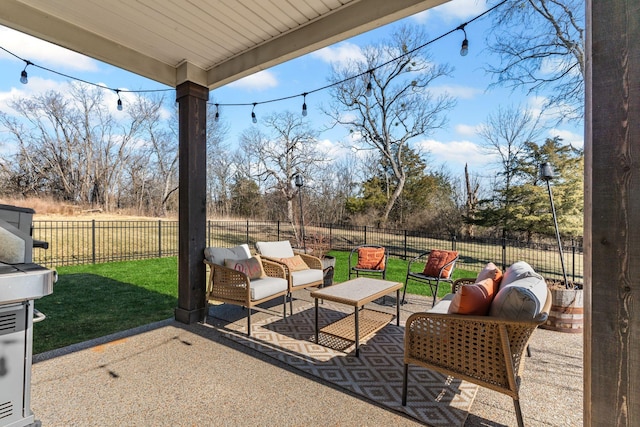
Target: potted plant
318,246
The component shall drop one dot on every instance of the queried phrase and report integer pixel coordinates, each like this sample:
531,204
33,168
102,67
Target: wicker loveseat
484,349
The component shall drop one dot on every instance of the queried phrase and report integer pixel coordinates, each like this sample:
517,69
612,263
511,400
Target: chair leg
435,294
206,312
528,351
404,291
284,305
516,404
290,294
249,321
404,384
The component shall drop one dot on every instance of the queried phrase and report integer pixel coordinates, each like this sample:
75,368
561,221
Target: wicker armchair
279,251
234,287
484,350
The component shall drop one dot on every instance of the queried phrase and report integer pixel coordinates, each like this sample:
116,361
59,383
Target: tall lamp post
546,174
300,183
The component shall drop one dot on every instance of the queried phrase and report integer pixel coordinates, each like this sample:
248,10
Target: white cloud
466,130
340,54
332,149
457,91
261,80
43,53
568,137
36,85
453,10
455,154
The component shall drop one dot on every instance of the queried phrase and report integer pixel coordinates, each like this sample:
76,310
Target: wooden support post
192,99
612,219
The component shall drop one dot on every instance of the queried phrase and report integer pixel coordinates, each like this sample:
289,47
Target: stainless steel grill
21,282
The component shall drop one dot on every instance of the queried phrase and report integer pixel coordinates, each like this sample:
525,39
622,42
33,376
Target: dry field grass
48,209
79,236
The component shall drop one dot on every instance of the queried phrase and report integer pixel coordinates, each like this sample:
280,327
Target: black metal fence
84,242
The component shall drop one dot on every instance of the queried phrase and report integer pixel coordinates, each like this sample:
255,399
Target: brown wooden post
612,214
192,99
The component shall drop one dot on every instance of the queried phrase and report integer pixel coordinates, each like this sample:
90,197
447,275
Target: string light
119,100
464,50
23,75
304,105
369,89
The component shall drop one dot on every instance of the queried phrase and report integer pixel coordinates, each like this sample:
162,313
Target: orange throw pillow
295,263
473,299
371,258
438,259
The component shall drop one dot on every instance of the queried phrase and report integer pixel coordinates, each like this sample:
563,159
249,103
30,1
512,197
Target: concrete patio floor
170,374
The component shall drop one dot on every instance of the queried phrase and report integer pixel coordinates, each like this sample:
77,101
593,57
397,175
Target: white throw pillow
516,271
280,249
218,255
522,294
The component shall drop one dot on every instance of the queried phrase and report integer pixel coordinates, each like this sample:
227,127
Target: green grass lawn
94,300
90,301
397,271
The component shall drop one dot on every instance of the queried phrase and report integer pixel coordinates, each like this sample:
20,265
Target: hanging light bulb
217,114
304,105
464,50
254,119
369,86
23,75
119,100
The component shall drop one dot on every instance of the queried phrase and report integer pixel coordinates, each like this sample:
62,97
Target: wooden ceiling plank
350,20
15,14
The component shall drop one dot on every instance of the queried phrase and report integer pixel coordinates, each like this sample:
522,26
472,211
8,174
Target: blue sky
452,146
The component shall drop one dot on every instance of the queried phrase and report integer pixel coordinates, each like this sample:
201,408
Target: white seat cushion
303,277
442,307
280,249
218,255
267,286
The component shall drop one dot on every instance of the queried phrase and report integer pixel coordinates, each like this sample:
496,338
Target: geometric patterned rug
433,399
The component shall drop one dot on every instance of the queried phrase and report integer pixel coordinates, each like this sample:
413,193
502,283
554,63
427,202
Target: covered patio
194,48
170,373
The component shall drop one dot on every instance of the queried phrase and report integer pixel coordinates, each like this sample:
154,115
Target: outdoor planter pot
567,309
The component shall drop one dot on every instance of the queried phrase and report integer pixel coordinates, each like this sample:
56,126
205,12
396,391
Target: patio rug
433,399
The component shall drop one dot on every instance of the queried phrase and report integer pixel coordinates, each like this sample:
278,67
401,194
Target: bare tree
288,149
220,166
154,168
540,44
333,185
399,107
506,134
472,187
70,146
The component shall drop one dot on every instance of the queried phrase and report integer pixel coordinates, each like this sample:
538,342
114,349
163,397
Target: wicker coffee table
357,293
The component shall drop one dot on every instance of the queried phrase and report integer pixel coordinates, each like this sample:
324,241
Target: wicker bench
484,350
